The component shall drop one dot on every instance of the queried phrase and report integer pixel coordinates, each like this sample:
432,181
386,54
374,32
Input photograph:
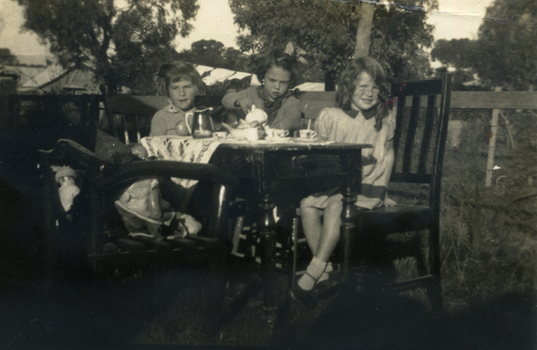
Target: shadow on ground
373,320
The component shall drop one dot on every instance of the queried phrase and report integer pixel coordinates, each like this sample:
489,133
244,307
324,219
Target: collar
351,113
170,108
366,114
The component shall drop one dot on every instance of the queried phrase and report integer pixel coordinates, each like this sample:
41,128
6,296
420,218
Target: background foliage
327,31
7,58
213,53
504,52
123,44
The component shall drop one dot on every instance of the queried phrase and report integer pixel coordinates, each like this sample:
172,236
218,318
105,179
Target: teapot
202,123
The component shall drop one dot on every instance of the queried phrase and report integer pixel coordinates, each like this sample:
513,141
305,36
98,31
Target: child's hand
245,104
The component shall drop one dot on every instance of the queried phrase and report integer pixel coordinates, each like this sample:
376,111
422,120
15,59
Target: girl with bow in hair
278,73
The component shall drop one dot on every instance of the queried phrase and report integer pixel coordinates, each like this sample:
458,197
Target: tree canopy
122,44
214,54
327,30
504,52
7,58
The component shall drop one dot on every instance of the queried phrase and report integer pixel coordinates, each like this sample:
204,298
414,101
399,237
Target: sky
453,20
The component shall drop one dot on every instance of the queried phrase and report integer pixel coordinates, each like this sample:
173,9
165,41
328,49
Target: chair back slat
49,118
426,142
398,123
411,133
420,132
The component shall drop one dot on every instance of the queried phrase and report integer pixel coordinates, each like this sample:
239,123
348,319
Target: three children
361,116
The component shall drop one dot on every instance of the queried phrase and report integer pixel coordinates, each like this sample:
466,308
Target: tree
363,33
460,54
213,53
504,52
327,30
122,44
7,58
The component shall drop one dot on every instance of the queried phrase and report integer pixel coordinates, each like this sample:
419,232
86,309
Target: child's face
182,94
277,82
366,94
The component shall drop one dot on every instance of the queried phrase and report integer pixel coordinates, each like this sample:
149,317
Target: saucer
278,139
298,139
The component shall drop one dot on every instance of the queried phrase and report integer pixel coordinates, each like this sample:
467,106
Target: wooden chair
99,187
421,129
91,239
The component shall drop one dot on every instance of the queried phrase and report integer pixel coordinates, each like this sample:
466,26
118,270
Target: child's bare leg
311,222
328,239
330,233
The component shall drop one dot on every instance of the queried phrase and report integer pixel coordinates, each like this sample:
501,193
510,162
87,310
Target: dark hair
177,71
348,80
277,58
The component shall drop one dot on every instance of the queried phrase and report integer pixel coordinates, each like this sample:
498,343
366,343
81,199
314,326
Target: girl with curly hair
362,116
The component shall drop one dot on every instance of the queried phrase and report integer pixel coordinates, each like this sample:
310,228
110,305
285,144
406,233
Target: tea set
199,124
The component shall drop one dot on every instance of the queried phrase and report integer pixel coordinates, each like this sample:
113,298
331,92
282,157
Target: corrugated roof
56,78
47,76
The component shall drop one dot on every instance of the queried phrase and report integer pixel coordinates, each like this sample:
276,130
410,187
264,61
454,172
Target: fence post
492,143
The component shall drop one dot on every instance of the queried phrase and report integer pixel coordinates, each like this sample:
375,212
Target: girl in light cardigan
362,116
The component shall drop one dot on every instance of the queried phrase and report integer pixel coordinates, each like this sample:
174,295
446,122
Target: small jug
202,123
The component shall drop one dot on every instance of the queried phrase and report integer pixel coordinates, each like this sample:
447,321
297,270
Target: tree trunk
363,33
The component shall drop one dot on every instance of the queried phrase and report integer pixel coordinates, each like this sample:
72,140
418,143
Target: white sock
329,268
313,272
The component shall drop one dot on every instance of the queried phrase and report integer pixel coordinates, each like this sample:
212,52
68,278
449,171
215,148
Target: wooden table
265,164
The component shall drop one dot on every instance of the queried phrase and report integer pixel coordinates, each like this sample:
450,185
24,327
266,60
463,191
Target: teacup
252,134
220,135
269,133
280,133
307,134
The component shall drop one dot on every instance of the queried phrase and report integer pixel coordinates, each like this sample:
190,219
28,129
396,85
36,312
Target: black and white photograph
268,174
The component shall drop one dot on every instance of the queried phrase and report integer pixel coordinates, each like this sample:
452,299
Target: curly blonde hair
348,81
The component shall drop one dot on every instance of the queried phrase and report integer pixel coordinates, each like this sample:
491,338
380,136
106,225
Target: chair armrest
195,171
69,148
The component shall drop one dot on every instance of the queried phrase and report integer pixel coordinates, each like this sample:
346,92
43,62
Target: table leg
268,252
218,224
352,166
263,180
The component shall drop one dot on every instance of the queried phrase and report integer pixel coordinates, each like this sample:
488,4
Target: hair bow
295,53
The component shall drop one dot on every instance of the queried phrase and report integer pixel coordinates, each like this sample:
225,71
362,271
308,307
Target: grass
488,234
487,252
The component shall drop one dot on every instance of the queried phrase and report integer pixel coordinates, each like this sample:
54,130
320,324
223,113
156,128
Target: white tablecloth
184,149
